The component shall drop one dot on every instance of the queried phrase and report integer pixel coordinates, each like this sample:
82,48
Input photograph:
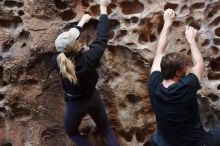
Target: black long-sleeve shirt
87,62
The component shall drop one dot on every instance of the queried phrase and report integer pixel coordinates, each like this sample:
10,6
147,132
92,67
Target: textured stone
31,98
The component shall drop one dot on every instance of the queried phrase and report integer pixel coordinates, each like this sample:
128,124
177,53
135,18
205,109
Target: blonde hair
67,66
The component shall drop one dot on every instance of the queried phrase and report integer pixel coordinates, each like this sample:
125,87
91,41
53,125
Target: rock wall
31,99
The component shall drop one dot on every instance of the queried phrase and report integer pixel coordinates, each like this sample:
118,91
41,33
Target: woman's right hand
86,17
105,3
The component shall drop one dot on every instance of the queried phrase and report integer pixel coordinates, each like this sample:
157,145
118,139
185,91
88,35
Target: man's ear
178,73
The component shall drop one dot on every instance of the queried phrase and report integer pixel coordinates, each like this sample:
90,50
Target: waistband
70,97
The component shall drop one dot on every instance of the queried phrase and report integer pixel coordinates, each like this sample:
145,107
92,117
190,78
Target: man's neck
167,83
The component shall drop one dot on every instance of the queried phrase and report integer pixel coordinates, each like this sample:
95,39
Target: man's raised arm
169,16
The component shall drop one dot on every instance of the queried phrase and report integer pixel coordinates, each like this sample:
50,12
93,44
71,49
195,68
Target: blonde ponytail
67,68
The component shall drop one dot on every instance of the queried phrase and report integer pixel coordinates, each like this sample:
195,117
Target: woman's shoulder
54,60
54,56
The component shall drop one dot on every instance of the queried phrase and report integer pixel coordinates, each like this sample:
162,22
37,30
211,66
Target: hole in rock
131,7
206,42
214,50
177,23
216,41
210,15
121,34
184,9
217,32
189,20
114,24
20,12
122,105
2,110
2,96
133,98
127,135
6,144
178,41
10,3
141,134
127,21
130,44
183,50
159,28
147,143
111,35
67,15
21,112
4,83
215,22
218,87
213,11
23,45
145,22
197,6
7,45
195,25
24,34
89,32
1,76
135,31
134,19
60,5
170,5
95,10
111,7
153,38
213,97
13,21
204,101
143,38
215,64
213,76
85,3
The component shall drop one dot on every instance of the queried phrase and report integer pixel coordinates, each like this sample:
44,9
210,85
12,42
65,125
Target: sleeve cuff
79,28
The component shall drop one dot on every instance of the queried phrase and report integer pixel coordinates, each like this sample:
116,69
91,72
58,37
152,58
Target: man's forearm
163,40
197,56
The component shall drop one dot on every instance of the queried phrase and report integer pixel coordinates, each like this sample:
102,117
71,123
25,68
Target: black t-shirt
176,109
87,62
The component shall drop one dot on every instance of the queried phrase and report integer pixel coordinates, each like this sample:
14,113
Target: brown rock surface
31,98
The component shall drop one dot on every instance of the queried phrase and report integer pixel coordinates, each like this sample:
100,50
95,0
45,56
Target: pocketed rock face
31,98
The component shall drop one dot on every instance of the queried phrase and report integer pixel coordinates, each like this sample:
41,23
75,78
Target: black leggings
77,108
213,138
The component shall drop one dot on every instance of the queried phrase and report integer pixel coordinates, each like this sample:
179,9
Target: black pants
77,108
212,139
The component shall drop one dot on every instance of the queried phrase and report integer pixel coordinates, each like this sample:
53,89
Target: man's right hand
169,16
190,34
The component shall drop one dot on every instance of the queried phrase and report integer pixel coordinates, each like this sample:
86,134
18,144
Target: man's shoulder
155,75
191,81
154,78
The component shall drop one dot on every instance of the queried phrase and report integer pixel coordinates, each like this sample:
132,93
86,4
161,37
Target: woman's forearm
103,9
